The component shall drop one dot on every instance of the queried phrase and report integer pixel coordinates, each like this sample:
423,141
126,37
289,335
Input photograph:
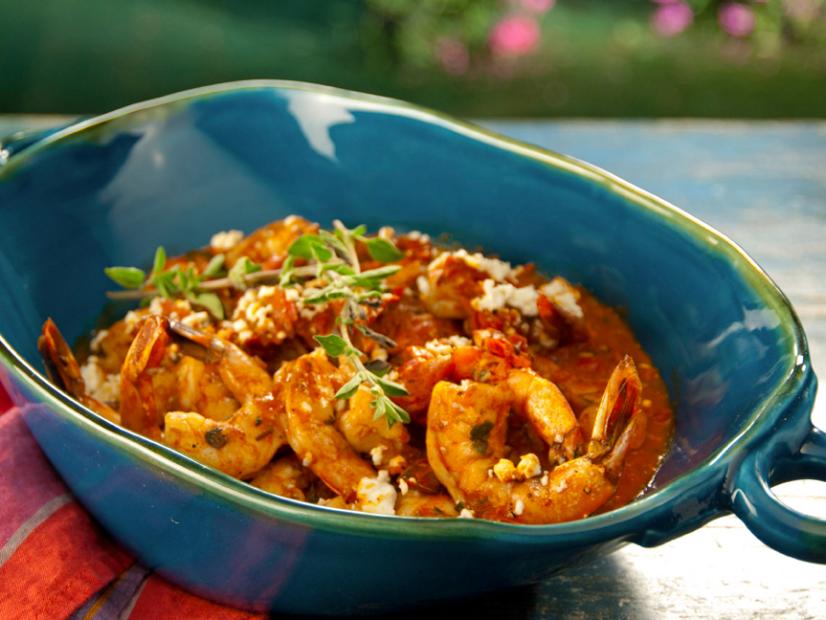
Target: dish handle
18,141
753,501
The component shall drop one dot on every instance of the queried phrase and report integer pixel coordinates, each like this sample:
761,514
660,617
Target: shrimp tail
63,370
137,400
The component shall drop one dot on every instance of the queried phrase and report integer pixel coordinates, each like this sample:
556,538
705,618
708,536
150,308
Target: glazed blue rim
244,495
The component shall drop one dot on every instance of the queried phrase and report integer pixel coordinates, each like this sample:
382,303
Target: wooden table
764,185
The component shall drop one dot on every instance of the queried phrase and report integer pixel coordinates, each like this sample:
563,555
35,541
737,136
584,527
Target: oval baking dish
174,170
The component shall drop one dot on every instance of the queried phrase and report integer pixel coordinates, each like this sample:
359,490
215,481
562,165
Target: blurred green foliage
594,58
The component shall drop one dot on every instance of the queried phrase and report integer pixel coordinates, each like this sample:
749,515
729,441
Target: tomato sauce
581,369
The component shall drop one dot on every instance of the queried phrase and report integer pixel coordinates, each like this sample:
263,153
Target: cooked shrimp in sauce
381,373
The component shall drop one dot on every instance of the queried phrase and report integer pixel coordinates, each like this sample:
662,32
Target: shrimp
367,434
269,244
494,358
308,386
286,477
417,504
138,406
466,434
450,285
240,445
546,409
64,371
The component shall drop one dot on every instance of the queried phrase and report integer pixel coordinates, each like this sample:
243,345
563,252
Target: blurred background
483,58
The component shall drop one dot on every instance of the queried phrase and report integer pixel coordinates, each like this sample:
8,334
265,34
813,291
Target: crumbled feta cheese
403,486
445,346
180,307
544,479
132,319
559,488
529,466
419,236
94,345
225,240
156,306
564,296
196,320
466,514
254,315
397,464
424,286
377,495
504,470
497,269
495,296
457,341
99,385
377,455
518,507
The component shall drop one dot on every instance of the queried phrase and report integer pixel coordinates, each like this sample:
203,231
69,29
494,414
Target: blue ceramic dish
172,171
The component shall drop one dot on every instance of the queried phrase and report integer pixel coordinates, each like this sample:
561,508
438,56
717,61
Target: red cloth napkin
56,562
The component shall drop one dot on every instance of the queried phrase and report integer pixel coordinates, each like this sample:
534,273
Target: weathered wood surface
764,185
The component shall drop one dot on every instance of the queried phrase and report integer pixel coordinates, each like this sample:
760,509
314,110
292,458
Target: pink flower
671,19
538,6
453,55
514,36
736,19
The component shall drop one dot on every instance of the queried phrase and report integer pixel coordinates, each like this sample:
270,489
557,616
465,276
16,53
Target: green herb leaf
310,247
214,266
378,367
391,388
287,272
372,278
349,389
383,250
338,268
390,410
327,295
242,267
479,435
381,339
160,260
211,302
379,405
334,345
127,277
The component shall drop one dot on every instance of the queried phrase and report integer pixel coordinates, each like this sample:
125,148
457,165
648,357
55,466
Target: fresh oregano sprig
174,282
339,276
333,272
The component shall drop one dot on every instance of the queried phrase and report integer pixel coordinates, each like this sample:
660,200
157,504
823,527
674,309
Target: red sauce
581,369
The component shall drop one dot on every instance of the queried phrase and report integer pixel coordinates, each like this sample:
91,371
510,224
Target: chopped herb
263,434
479,434
215,438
